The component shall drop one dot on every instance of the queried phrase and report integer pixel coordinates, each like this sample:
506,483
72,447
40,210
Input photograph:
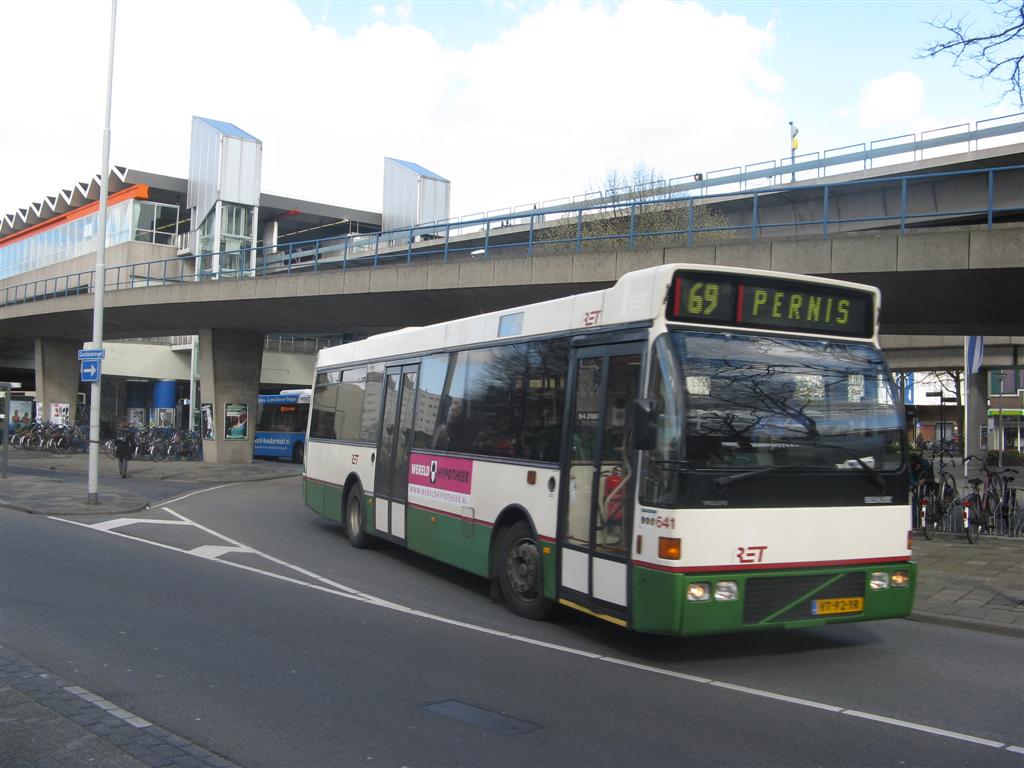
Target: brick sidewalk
976,586
47,722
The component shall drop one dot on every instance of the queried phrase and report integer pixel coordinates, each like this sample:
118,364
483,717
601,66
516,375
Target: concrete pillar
57,374
229,375
976,391
269,237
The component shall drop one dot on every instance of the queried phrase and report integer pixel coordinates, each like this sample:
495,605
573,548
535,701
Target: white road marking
196,493
655,670
271,558
212,551
553,646
121,522
925,728
776,696
98,701
341,590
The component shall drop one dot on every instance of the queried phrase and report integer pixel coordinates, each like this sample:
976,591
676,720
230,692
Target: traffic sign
90,370
91,354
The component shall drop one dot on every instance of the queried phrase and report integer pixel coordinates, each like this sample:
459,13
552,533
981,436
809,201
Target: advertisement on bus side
437,480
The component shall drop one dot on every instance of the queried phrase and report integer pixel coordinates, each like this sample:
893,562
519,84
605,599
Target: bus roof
636,297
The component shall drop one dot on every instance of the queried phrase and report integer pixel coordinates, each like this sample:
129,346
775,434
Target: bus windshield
735,402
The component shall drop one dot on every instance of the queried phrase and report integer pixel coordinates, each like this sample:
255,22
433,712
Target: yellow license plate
837,605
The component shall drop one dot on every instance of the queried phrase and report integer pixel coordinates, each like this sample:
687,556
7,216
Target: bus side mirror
643,425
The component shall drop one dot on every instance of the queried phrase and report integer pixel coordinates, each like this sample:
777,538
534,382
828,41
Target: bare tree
995,52
635,205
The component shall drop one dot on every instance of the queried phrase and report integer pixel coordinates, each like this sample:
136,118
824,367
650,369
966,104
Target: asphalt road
290,648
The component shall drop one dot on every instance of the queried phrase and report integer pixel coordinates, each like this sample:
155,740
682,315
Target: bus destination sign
753,301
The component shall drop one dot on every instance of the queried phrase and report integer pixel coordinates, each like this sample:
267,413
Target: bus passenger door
596,511
391,478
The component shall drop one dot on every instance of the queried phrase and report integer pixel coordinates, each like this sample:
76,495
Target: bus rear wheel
520,572
297,453
355,528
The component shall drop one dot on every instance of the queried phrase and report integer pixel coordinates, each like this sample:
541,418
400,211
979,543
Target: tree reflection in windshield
752,401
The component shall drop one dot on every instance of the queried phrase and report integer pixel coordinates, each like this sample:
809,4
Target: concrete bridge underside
953,282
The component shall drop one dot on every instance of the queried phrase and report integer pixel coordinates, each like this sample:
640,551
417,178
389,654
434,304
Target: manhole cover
482,718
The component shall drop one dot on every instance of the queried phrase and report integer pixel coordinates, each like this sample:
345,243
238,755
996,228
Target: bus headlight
879,580
698,593
900,579
726,590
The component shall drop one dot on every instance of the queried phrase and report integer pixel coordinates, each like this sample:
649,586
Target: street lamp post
6,387
942,415
99,280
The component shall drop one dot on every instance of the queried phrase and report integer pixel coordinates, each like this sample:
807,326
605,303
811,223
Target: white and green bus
693,450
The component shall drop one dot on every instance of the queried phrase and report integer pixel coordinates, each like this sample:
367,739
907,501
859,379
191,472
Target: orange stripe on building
135,191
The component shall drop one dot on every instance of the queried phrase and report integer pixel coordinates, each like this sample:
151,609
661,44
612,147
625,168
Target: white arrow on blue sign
91,354
90,370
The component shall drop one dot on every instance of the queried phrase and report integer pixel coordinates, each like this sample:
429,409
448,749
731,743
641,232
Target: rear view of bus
281,425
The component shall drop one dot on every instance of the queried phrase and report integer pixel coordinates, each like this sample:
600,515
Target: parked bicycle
991,505
940,499
1009,519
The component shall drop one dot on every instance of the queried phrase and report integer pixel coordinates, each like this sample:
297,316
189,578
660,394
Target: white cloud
896,101
570,91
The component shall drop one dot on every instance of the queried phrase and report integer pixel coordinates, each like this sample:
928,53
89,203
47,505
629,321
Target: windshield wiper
869,471
673,465
721,482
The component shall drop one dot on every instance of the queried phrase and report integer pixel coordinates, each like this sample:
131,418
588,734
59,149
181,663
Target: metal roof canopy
418,169
228,129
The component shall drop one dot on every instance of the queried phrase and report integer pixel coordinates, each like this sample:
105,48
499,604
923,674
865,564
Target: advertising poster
236,421
59,413
165,417
439,481
137,417
206,421
21,414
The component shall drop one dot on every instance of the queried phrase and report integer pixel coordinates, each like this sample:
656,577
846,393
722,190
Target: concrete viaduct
938,284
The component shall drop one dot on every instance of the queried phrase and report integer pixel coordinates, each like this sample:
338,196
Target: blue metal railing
525,233
816,165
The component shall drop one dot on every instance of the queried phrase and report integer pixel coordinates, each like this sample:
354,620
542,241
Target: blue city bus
281,425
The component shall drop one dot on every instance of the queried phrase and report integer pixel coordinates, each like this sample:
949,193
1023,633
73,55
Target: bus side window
370,420
325,399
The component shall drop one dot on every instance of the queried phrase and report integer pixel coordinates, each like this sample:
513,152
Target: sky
513,102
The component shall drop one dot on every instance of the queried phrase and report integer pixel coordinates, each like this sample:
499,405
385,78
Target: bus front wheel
297,453
354,521
520,572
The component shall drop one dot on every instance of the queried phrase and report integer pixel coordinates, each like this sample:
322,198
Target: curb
96,509
977,625
54,722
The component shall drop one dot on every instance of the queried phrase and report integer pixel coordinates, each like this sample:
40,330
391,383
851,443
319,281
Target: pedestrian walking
124,447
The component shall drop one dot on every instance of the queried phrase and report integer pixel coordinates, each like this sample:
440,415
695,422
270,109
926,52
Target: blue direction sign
91,354
90,370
